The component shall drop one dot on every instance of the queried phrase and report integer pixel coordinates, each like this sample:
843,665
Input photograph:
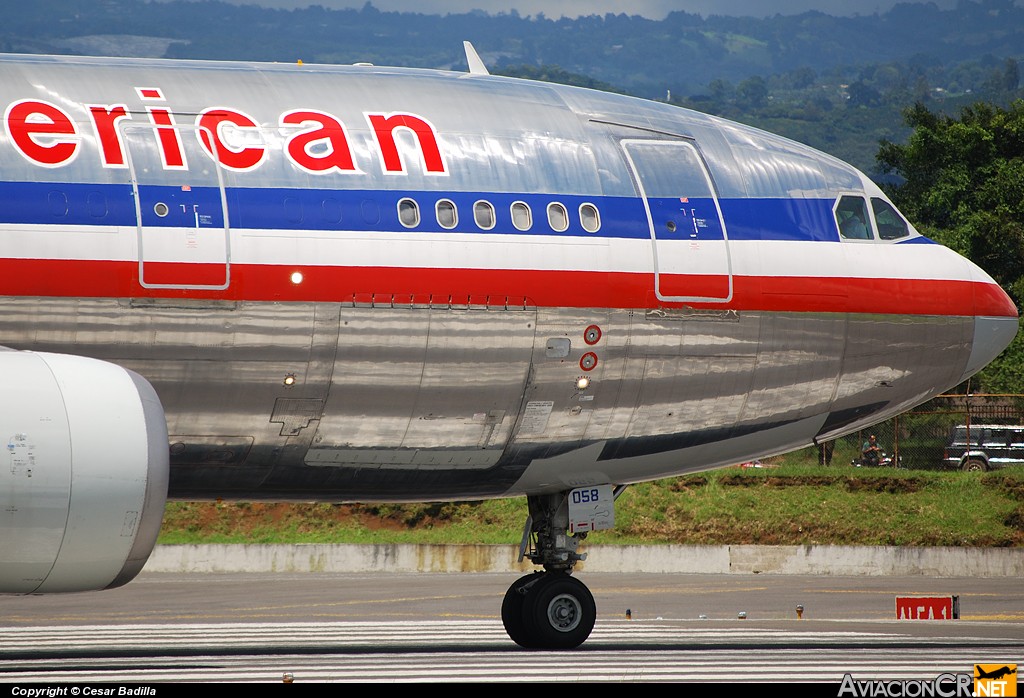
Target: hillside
788,505
836,83
681,54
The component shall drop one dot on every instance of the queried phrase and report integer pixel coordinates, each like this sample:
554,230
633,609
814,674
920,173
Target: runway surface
426,627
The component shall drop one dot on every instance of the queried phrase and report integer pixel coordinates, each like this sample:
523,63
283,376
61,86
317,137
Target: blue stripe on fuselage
35,203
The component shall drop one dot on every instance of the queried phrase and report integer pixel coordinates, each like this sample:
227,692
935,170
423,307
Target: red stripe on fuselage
544,288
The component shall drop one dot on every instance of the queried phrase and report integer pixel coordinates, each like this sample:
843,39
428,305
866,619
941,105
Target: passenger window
409,213
590,219
447,214
891,225
293,209
558,217
483,214
852,218
96,204
522,216
58,203
331,210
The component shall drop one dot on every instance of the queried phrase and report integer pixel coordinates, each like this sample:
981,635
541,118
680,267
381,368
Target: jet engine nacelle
83,473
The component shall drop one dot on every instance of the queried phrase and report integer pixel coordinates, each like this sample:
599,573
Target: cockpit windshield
855,223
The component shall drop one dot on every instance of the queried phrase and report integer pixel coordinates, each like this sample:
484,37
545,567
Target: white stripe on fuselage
781,258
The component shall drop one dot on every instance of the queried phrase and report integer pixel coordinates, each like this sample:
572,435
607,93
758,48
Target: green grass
795,503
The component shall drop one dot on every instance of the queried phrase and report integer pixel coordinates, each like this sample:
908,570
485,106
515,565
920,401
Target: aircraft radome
356,283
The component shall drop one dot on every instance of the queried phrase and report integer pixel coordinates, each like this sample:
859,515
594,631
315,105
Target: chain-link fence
974,432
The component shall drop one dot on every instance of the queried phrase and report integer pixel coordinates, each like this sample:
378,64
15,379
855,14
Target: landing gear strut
550,609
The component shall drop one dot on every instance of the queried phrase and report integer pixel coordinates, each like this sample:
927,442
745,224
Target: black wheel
975,465
559,612
512,608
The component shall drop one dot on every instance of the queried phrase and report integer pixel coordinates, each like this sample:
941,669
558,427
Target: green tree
1011,75
863,95
963,185
752,92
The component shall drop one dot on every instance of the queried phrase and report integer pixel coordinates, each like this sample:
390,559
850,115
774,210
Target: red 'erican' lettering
233,156
41,132
384,127
315,141
322,146
104,121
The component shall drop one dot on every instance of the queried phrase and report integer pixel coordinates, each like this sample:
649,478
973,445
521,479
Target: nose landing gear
551,609
548,610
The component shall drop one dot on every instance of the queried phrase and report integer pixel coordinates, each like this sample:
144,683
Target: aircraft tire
558,612
512,609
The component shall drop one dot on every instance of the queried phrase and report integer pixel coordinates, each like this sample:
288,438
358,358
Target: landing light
582,383
289,380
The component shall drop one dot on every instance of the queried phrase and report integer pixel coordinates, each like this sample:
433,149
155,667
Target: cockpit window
891,225
852,218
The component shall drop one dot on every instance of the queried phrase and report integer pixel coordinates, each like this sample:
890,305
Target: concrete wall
679,559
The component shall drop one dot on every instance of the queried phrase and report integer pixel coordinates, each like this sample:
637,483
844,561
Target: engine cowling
83,476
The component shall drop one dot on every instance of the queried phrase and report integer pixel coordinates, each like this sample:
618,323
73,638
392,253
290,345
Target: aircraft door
180,208
689,240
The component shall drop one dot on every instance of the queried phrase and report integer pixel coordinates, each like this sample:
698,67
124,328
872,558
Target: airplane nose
991,336
995,322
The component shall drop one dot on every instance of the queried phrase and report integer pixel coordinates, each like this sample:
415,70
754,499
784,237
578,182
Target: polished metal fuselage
371,391
456,402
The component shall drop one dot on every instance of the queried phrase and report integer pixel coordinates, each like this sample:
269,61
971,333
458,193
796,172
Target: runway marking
479,650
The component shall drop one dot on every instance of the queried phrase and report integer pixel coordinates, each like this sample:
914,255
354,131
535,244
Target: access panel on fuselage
690,244
436,389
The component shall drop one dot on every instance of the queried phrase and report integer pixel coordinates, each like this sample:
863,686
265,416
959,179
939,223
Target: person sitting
854,228
871,452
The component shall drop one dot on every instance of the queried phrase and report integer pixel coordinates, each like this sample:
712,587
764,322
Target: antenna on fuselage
476,66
